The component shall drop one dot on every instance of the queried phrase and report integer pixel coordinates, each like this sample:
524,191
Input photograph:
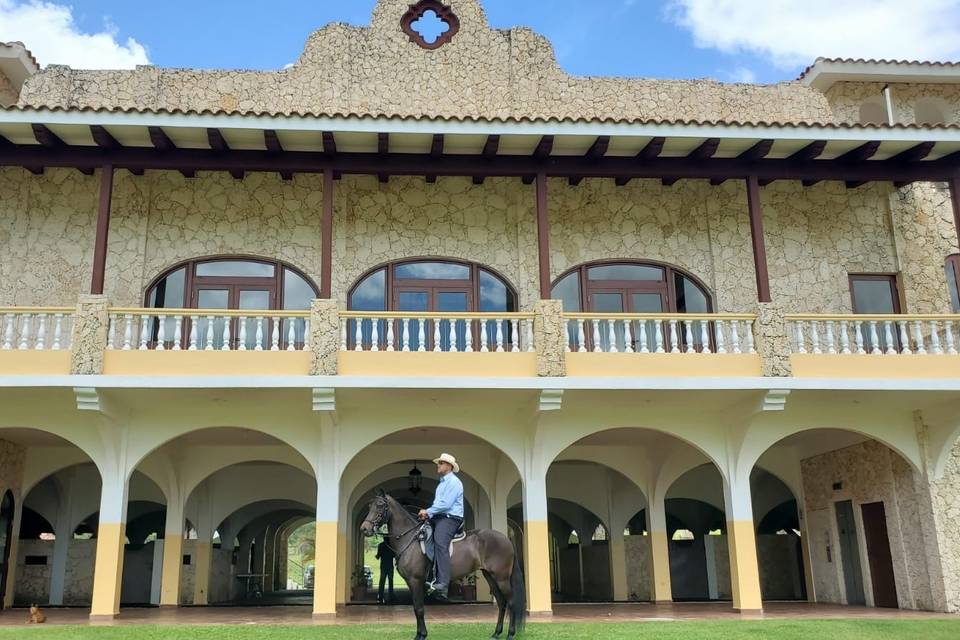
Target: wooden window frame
953,262
892,278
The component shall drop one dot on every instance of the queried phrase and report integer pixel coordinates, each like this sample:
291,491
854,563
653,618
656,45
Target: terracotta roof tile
515,120
916,63
17,43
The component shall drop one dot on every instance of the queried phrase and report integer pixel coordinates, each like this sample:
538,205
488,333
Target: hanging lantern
415,479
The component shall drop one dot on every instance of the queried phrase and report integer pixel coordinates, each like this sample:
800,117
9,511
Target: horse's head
377,514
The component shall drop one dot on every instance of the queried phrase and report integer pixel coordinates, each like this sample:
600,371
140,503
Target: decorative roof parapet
481,73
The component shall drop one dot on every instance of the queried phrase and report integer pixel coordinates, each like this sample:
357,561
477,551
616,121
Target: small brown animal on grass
36,616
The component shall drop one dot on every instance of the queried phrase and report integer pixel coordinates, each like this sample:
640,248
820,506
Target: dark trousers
386,575
443,531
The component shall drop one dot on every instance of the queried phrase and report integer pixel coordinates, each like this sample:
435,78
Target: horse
485,550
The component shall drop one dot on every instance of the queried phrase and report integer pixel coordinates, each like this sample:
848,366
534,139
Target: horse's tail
519,588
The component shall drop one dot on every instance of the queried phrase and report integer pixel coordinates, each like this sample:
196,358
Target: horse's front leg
418,591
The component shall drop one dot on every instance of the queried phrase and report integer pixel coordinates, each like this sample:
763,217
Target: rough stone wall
780,573
846,98
78,584
12,457
482,72
869,472
945,494
188,573
639,575
815,236
33,582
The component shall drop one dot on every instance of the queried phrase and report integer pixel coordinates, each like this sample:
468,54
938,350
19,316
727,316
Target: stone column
89,336
661,590
772,335
551,339
111,539
742,541
536,542
324,337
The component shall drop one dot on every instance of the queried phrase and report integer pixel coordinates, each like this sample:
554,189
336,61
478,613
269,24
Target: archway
858,517
486,472
232,493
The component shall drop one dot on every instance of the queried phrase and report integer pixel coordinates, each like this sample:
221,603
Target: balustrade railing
660,333
207,330
875,334
437,332
36,328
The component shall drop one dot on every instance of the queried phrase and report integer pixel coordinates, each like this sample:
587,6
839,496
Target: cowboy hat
449,459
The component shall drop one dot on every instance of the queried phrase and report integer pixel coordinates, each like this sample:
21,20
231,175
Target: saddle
426,539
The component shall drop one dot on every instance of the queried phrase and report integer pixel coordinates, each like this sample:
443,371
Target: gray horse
488,551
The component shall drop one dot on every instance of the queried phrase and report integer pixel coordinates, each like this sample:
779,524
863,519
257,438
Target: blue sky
751,40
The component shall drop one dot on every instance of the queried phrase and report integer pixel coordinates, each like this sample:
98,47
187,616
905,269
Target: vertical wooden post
955,199
543,235
103,230
759,244
326,236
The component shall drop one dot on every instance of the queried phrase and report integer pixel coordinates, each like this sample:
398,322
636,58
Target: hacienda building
690,341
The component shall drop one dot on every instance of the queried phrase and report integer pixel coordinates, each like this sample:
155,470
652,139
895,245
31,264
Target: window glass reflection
236,269
370,295
168,293
432,271
625,272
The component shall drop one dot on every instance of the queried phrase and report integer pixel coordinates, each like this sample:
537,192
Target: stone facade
89,336
869,472
8,93
377,70
639,572
945,494
846,99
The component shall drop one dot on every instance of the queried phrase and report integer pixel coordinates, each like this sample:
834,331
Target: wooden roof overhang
384,147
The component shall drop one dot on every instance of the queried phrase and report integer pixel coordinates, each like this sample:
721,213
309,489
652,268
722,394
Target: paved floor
458,613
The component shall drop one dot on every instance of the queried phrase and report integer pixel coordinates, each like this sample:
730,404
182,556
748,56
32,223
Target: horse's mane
394,502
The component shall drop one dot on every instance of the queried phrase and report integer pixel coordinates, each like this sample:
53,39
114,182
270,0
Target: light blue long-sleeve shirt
449,498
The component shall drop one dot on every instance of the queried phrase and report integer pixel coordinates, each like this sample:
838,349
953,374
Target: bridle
380,519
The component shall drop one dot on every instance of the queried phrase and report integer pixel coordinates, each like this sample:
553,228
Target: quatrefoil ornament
430,24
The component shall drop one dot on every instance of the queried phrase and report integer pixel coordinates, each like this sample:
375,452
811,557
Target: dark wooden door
878,554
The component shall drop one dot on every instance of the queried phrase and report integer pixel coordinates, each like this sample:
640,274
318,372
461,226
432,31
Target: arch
670,274
8,511
390,279
190,265
931,111
69,450
141,451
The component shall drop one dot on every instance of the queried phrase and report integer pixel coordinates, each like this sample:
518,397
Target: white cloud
793,33
742,74
49,31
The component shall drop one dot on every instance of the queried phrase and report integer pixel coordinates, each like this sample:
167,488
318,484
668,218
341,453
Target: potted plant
468,587
359,584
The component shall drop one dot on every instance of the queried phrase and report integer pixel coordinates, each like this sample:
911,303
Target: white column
742,540
172,554
111,536
536,540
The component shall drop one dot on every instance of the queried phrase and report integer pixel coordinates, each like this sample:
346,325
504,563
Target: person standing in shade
446,516
386,557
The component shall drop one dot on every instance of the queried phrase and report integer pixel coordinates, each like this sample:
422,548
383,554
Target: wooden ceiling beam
160,140
915,153
383,150
544,148
272,143
596,151
46,137
329,143
650,151
860,154
219,145
103,138
436,151
706,150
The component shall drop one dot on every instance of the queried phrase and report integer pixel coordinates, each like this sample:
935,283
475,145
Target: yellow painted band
170,578
325,573
744,572
664,364
108,570
32,362
398,363
660,552
810,365
207,363
537,566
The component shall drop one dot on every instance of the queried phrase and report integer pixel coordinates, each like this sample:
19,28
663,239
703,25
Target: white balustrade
875,335
204,330
712,334
441,333
28,329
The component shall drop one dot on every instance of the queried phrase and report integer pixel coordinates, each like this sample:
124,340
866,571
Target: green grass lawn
780,630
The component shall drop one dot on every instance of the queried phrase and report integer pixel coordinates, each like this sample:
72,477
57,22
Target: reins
417,526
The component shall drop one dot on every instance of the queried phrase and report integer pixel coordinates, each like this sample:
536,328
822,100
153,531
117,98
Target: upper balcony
93,339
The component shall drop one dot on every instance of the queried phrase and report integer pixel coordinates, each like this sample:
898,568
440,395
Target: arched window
232,282
433,285
630,287
235,283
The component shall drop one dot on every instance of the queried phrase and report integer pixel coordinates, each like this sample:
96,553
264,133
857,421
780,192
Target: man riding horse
446,516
